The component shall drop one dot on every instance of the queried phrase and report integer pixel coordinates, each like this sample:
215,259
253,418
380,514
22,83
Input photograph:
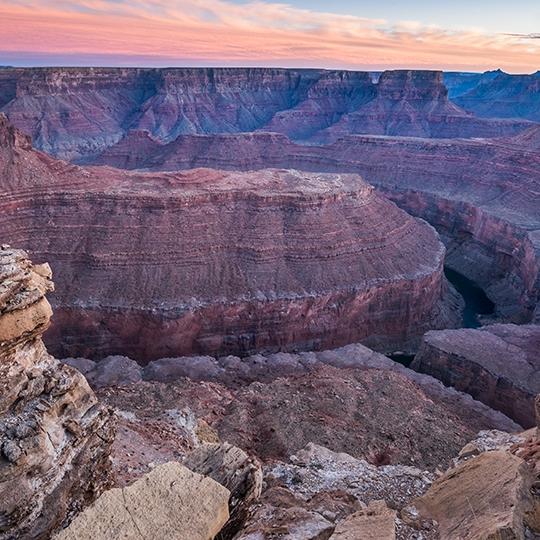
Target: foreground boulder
498,365
235,470
170,502
376,522
54,436
487,497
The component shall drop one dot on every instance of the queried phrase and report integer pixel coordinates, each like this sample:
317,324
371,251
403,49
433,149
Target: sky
463,35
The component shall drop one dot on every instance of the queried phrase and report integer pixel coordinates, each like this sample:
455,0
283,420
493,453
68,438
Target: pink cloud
255,33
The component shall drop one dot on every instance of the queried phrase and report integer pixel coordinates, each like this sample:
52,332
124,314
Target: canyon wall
162,264
76,113
497,364
55,439
480,195
496,94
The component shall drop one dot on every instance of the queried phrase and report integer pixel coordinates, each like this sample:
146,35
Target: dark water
476,301
402,358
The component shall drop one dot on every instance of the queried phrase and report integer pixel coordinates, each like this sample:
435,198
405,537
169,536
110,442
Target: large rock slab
497,364
376,522
235,470
55,438
169,502
488,496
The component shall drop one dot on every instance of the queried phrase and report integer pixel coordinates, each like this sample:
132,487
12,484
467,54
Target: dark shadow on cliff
476,301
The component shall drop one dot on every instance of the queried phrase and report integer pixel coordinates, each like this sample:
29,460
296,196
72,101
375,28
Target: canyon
235,251
76,113
221,262
480,195
478,188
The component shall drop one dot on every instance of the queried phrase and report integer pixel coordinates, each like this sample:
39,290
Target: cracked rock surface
54,436
170,502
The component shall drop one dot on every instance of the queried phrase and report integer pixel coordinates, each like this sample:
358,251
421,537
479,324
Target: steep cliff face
220,100
501,95
71,112
415,104
222,262
497,365
76,113
333,95
480,195
54,436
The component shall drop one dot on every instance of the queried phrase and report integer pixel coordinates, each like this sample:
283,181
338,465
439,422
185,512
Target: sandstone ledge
497,364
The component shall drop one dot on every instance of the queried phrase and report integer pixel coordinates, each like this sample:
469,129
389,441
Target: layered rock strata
414,104
55,439
216,262
76,113
498,94
480,195
497,364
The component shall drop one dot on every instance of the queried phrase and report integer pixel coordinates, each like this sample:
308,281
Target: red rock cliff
211,261
480,195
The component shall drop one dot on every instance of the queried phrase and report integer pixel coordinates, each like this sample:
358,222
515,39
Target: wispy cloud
159,32
525,36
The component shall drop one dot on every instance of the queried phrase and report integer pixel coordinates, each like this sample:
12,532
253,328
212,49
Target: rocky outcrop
497,364
55,438
219,262
272,406
169,502
376,522
480,195
76,113
323,494
235,470
488,496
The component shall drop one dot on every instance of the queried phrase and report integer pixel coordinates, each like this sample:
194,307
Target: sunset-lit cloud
218,32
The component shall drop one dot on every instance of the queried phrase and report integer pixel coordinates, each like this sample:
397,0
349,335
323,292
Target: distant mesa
76,113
